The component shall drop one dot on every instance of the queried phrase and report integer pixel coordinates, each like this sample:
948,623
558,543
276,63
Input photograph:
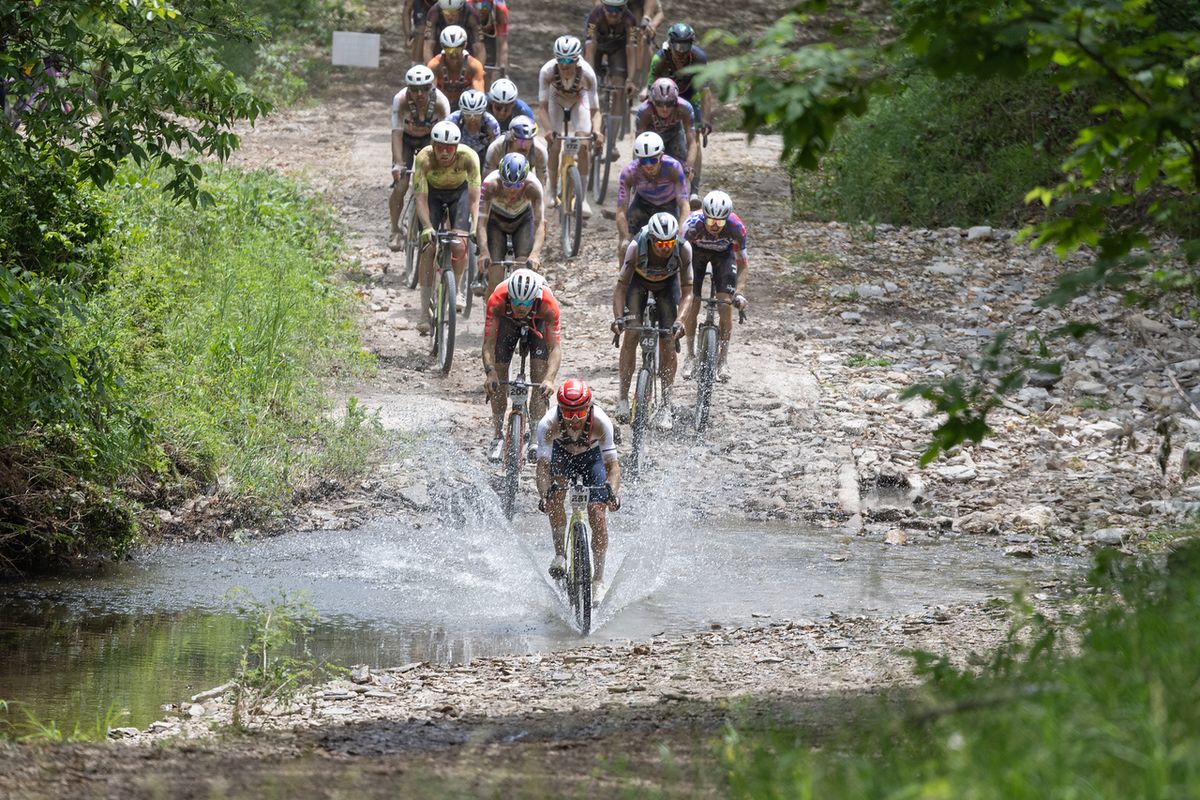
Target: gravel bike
410,229
706,352
642,409
515,428
444,300
577,546
570,189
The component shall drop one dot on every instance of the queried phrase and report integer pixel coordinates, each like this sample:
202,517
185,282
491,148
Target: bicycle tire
446,321
581,578
640,419
512,464
706,377
600,172
573,198
412,247
469,285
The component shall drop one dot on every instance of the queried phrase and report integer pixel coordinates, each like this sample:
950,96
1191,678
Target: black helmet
680,33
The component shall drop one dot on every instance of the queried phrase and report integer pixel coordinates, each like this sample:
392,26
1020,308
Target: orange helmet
574,399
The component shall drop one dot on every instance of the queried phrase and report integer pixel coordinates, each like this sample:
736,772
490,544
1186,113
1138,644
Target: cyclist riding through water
671,61
611,43
449,13
455,71
657,262
566,83
718,237
505,104
670,116
479,128
511,210
652,183
523,298
576,438
446,189
521,138
415,110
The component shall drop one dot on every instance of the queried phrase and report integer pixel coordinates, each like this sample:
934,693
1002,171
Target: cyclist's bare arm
481,235
473,199
685,279
502,51
693,147
623,278
706,104
612,467
543,119
684,208
537,206
406,19
553,362
589,51
422,201
654,13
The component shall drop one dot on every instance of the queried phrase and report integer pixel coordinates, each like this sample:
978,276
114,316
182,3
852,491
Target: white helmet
446,132
647,145
717,204
453,36
418,75
503,91
451,5
662,226
472,101
567,47
524,286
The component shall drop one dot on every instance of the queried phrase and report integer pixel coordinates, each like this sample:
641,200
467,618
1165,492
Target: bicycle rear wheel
447,301
581,578
706,376
469,285
514,436
412,245
572,212
642,401
600,171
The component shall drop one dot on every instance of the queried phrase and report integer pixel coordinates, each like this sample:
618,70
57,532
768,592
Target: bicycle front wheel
447,302
600,171
706,376
571,214
469,284
581,578
642,401
514,436
412,245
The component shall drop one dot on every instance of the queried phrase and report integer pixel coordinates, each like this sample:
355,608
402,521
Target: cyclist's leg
437,213
668,309
725,277
555,503
637,214
539,363
597,475
554,148
675,144
522,235
408,149
497,248
694,188
581,125
507,337
458,218
700,260
635,301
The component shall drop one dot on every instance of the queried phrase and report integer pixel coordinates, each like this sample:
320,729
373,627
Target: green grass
1106,705
938,153
864,360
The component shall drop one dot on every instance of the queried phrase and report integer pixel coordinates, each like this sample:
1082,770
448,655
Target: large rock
1034,519
1109,537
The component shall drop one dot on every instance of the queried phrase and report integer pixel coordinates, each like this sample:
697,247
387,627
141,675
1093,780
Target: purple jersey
666,187
649,120
731,238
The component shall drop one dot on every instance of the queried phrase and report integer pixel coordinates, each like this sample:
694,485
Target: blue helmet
514,169
523,127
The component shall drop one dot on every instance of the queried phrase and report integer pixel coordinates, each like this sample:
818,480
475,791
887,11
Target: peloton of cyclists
446,187
576,438
511,211
657,262
652,183
717,237
479,128
523,299
415,110
567,97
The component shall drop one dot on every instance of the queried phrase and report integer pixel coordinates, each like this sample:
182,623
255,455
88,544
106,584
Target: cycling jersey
519,108
418,120
662,66
609,35
639,260
493,17
453,83
479,141
427,173
536,155
597,435
498,307
666,187
730,239
580,89
505,201
649,120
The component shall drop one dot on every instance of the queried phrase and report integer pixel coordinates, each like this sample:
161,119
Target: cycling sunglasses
664,244
649,161
512,185
575,414
442,147
665,103
681,47
714,222
567,61
613,9
452,51
523,305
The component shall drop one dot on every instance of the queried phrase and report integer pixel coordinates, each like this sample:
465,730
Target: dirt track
811,428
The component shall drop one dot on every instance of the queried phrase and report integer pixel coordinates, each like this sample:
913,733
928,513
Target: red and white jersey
597,432
545,309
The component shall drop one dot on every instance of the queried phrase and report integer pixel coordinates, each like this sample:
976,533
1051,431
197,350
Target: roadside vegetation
1104,703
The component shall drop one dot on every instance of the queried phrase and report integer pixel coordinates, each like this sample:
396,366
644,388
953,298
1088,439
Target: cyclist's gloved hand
547,389
618,325
491,384
676,329
740,301
426,235
533,264
704,127
614,502
485,263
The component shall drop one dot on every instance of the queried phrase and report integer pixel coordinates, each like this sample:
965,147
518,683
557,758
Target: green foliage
1104,706
944,152
33,729
90,85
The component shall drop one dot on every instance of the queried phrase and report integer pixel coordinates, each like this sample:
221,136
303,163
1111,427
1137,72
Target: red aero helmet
574,398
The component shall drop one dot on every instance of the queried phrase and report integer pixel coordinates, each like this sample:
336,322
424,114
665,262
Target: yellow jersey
428,173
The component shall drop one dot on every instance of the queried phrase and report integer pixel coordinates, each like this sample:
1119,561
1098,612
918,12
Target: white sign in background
356,49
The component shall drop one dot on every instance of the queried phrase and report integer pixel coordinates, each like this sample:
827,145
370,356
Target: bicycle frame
518,393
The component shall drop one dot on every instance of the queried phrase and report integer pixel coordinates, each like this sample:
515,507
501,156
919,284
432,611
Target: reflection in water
160,628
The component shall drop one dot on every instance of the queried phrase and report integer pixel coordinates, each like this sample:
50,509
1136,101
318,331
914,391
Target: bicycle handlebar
716,301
